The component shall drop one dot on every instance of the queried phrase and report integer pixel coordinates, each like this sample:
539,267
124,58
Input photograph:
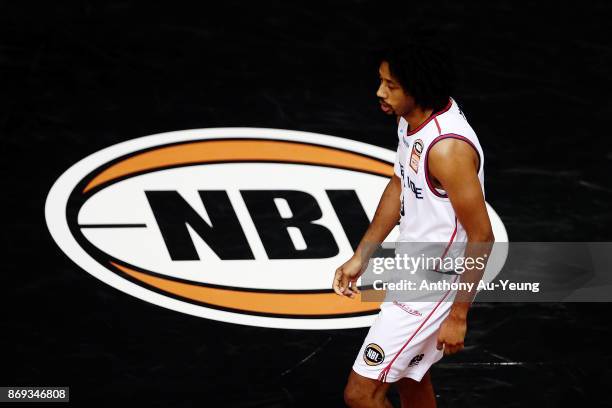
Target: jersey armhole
430,185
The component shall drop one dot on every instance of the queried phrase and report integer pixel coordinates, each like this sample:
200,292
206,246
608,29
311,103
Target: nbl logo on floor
241,225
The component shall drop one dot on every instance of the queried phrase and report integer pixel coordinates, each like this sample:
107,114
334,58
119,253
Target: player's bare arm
453,164
386,217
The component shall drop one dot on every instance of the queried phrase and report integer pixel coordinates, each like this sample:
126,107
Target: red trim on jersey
438,126
436,140
383,374
450,241
429,119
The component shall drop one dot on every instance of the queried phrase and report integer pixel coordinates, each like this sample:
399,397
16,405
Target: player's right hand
345,279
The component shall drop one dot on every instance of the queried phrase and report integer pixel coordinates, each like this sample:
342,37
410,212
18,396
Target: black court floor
534,80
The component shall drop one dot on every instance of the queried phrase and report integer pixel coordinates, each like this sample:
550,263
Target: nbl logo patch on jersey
415,156
373,354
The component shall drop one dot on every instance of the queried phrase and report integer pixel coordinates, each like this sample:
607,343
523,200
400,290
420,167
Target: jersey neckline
430,118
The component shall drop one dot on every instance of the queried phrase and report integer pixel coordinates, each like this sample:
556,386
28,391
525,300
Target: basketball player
436,195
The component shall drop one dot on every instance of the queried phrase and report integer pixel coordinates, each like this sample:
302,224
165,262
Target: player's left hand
451,334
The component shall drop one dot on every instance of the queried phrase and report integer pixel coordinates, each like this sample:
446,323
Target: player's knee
351,396
356,397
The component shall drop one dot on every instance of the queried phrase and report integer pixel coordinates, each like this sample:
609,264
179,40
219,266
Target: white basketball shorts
402,341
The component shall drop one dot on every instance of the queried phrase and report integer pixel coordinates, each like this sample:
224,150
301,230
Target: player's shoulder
451,147
452,156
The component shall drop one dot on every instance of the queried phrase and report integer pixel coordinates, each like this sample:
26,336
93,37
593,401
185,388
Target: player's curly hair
423,66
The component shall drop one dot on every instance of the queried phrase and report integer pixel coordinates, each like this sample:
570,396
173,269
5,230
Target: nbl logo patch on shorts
373,354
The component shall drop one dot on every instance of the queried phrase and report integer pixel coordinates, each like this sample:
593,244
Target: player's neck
417,116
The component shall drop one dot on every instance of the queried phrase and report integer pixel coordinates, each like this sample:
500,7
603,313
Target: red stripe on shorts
383,374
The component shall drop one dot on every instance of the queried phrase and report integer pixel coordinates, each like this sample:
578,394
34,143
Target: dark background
79,77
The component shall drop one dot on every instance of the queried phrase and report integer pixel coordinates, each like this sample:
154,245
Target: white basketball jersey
426,212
